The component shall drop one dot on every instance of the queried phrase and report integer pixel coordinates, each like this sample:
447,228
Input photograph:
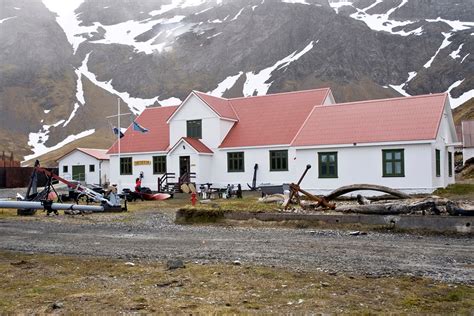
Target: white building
87,165
467,140
405,143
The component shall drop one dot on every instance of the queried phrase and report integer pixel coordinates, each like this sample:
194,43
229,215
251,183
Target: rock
175,264
354,233
57,305
237,263
130,264
325,284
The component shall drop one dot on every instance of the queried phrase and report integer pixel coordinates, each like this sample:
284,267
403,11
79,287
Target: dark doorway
184,168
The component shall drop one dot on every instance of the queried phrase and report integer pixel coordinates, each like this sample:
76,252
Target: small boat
155,196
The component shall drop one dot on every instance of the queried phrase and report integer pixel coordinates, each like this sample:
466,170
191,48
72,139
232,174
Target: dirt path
153,235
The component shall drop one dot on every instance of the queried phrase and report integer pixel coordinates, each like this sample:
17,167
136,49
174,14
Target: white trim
454,144
179,107
394,143
184,140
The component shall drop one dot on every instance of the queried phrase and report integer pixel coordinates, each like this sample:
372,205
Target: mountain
64,64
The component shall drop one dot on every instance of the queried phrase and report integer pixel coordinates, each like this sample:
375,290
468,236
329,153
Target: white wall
128,181
445,136
77,158
467,153
220,176
357,165
212,126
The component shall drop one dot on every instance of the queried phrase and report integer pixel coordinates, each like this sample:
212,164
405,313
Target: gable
192,108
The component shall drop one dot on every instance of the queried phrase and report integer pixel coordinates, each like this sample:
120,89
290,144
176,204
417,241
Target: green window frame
159,164
91,168
65,169
327,162
126,165
393,162
235,162
278,160
450,164
438,162
194,128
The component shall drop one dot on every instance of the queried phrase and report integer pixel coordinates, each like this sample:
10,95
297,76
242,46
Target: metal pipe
54,206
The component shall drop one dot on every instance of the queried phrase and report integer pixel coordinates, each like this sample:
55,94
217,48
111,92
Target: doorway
79,173
184,168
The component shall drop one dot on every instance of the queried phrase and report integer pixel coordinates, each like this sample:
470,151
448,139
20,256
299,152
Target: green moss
458,189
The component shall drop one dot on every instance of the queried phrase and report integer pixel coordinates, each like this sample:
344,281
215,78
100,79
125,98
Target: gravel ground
152,235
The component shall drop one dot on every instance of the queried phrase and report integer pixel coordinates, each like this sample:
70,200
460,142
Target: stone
130,264
57,305
173,264
237,263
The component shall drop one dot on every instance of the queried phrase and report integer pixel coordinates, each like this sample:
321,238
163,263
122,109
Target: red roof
397,119
157,137
197,145
272,119
100,154
221,106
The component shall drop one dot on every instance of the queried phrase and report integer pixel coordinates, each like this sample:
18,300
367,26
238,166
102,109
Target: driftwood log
369,187
391,208
455,210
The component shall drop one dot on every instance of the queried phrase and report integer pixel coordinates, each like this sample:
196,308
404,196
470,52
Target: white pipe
54,206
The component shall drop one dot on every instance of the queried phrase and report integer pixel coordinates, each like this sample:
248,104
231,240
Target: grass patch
457,190
32,283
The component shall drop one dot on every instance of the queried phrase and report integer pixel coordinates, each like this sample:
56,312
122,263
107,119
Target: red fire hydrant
193,198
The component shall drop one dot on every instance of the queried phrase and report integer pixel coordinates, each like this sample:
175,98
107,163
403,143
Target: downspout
100,172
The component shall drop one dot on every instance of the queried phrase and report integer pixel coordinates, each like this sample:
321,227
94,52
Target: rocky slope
63,64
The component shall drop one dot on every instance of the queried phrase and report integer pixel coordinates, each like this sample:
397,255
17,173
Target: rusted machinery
295,191
44,199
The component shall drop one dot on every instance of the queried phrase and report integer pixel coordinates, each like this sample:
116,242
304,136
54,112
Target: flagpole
119,182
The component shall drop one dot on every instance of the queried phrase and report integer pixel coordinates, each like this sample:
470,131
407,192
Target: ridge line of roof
212,108
388,99
278,93
441,115
303,125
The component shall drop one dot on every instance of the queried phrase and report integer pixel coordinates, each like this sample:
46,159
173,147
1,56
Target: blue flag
139,128
116,132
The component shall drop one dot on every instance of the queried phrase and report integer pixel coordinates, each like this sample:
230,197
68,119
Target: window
438,163
65,169
327,165
126,165
159,164
91,168
278,160
235,162
393,163
194,128
450,163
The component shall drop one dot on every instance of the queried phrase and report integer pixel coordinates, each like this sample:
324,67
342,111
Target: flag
116,132
139,128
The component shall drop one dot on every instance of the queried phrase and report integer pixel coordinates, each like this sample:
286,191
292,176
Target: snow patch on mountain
258,82
37,140
455,102
238,14
175,4
225,85
125,33
382,22
136,105
6,19
296,1
336,5
68,20
444,44
456,54
455,25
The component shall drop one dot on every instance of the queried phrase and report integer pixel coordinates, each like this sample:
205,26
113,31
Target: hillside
65,63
